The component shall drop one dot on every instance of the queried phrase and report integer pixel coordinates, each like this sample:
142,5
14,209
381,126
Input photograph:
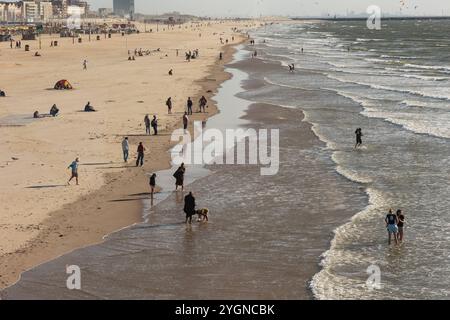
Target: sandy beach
41,217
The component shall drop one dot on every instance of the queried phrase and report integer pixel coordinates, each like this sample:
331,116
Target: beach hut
63,85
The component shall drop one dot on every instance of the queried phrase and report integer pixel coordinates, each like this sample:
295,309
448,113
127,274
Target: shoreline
251,255
104,208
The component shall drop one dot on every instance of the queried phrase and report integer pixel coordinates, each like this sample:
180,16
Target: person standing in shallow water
152,184
359,136
391,226
189,207
400,224
179,176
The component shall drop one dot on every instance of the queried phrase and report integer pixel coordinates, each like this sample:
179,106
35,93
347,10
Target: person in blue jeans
125,149
391,225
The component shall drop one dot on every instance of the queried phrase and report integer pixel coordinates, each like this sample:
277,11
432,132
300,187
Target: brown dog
202,215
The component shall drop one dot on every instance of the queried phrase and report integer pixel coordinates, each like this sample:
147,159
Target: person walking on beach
85,65
147,124
400,224
391,225
189,106
140,157
169,105
152,184
155,125
189,207
202,103
179,177
185,121
125,149
74,167
359,136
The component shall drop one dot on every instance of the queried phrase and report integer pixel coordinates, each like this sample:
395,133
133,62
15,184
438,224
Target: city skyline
256,8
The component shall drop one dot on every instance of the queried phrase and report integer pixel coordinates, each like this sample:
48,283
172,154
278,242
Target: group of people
18,44
151,124
395,224
140,152
191,54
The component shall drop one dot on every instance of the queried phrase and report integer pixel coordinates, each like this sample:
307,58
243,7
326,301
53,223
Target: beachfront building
45,11
124,8
60,9
10,11
30,11
105,12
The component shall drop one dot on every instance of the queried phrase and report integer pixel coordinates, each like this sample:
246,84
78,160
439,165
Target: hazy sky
284,7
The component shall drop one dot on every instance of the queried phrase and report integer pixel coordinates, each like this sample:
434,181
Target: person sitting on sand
2,93
171,72
179,176
74,167
37,54
391,226
54,111
36,115
189,207
89,108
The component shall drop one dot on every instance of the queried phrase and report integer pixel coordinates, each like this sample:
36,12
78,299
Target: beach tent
63,85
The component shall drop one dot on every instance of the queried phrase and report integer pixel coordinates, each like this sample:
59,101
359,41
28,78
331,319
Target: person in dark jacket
140,157
179,176
189,207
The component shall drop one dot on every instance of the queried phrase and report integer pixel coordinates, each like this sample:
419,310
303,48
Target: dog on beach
202,215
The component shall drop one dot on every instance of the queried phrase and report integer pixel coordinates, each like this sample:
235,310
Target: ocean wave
381,87
425,67
328,285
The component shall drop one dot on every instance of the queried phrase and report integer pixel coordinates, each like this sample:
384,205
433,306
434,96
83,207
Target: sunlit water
394,84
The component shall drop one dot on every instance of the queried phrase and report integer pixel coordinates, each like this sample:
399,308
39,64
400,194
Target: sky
255,8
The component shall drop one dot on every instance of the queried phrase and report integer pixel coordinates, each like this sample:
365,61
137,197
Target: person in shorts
391,225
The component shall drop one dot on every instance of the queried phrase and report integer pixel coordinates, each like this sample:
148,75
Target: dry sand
40,216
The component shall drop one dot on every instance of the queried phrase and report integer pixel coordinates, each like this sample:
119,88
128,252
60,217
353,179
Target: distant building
124,8
104,12
10,11
60,9
45,11
30,11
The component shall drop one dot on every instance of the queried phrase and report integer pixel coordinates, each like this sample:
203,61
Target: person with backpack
155,125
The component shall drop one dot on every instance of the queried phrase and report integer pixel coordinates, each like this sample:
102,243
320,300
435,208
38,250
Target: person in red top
140,158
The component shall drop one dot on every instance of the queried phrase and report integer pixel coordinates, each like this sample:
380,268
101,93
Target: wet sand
263,241
117,200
